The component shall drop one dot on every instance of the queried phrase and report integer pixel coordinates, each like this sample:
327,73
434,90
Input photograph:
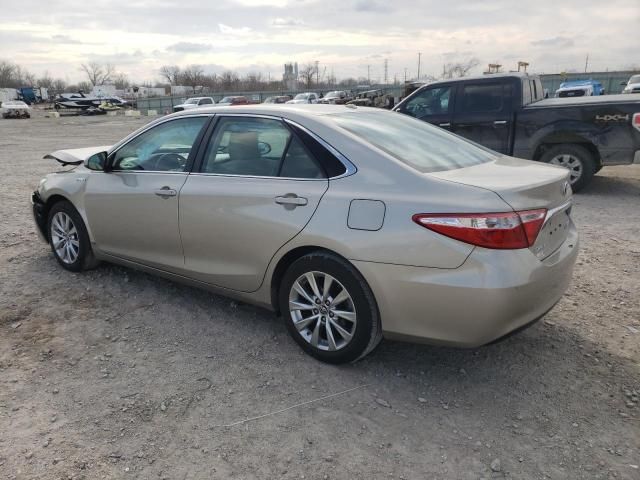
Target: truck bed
595,100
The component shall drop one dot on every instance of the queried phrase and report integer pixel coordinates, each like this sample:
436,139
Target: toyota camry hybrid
352,223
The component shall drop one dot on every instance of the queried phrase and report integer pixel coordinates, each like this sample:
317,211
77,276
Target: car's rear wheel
575,158
329,309
68,238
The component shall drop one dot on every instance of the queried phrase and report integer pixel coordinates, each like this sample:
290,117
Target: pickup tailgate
525,185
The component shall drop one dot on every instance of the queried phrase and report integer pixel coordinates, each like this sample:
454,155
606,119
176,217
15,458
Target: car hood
291,102
523,184
75,155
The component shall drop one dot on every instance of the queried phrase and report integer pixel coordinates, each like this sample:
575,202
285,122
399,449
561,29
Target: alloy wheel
322,311
571,163
64,237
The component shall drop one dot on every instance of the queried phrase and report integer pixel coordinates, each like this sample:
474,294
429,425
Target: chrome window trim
350,168
151,125
129,138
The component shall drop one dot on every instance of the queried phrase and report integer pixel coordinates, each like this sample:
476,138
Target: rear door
483,113
255,188
433,104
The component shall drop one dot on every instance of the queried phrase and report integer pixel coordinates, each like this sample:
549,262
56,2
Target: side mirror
97,161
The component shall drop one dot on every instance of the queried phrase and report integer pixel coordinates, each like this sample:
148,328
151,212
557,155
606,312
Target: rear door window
258,147
483,97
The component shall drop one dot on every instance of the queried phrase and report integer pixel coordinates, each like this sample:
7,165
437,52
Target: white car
15,109
633,85
194,103
308,97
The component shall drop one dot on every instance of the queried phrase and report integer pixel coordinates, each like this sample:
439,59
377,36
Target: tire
577,159
65,226
358,312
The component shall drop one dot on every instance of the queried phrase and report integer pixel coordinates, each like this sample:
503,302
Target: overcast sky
138,36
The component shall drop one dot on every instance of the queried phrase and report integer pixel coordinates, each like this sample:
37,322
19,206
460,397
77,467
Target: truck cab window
485,97
431,101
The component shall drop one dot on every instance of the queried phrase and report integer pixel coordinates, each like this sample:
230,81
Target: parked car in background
580,88
194,103
352,223
309,97
633,85
15,109
507,113
234,100
338,97
278,99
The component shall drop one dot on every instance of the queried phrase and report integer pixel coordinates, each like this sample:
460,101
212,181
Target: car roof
487,76
302,110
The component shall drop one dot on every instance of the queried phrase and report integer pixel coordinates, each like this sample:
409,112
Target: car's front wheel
68,238
329,309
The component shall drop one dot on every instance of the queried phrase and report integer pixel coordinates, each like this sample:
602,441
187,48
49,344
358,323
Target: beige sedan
353,223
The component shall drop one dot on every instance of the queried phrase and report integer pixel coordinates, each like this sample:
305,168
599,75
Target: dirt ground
117,374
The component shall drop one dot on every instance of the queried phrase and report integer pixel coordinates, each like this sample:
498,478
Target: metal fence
611,81
165,105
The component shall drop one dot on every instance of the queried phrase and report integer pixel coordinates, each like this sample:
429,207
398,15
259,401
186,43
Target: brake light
635,121
509,230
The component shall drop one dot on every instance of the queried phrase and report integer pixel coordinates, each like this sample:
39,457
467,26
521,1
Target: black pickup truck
508,113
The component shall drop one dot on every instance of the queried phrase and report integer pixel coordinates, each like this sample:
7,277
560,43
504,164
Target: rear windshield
414,142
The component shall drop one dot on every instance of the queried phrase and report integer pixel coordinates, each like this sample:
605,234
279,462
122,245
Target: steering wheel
166,159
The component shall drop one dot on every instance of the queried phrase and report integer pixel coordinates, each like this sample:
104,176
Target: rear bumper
492,294
617,156
39,215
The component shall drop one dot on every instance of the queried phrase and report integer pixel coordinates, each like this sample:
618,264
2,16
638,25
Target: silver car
353,223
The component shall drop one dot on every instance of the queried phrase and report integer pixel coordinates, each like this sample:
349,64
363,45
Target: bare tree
229,80
121,81
193,76
459,69
7,74
98,74
45,81
171,73
307,74
59,85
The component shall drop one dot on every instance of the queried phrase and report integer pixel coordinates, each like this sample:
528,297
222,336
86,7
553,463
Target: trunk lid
525,185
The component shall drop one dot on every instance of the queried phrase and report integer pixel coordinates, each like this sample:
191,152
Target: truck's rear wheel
575,158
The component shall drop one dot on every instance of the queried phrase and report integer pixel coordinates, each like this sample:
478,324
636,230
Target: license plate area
553,234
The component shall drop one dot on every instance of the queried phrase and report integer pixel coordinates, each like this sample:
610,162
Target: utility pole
586,63
369,74
405,74
419,58
317,73
386,71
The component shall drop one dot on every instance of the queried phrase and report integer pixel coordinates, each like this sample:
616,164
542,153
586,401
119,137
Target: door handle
444,124
166,192
499,123
291,200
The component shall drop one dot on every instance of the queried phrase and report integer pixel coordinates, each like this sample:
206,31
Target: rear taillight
635,121
509,230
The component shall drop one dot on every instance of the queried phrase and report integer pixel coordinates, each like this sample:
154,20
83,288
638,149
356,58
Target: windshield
191,101
415,143
635,79
226,100
333,94
302,96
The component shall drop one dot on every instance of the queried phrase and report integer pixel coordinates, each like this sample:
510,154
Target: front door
256,188
432,105
133,209
483,114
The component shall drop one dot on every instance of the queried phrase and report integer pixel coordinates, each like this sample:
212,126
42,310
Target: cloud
189,47
65,39
371,6
281,22
554,42
227,30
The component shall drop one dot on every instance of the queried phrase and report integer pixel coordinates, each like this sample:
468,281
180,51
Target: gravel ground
117,374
